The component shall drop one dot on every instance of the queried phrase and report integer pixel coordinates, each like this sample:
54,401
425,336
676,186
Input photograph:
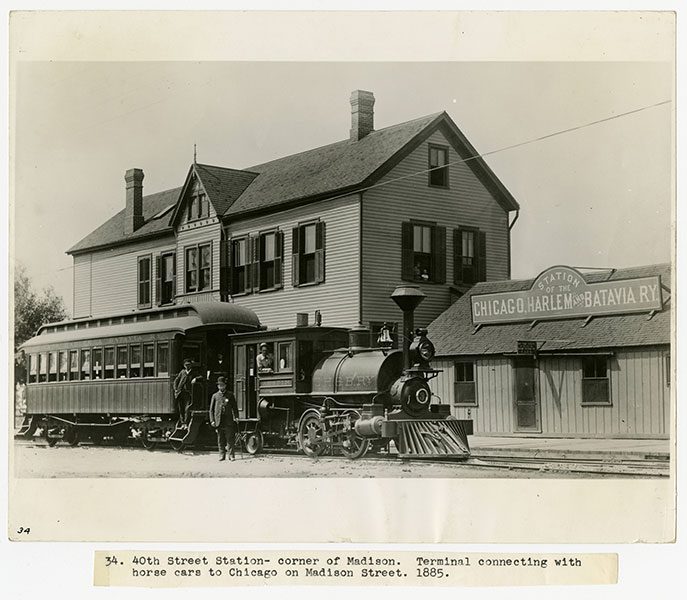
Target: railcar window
148,360
42,368
135,365
284,362
109,363
64,368
52,366
122,361
85,364
97,363
163,359
73,365
33,369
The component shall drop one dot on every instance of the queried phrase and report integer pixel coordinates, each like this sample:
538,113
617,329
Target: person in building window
183,395
223,415
264,360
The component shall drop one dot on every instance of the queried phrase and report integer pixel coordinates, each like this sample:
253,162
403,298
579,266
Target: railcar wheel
176,445
147,443
311,434
254,443
71,436
51,441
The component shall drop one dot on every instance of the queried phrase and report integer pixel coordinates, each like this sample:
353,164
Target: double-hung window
595,381
166,278
198,206
144,281
198,268
240,263
469,255
438,166
464,387
423,252
308,260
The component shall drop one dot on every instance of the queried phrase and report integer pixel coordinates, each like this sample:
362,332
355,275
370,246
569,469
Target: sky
599,196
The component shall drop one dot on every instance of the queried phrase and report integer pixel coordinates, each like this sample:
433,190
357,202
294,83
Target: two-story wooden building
333,229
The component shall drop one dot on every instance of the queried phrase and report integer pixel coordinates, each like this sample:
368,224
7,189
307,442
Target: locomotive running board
433,439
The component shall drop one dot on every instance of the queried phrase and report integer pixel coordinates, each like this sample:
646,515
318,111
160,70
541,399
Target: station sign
562,292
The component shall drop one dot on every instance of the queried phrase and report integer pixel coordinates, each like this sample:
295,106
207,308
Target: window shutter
174,275
278,253
224,248
457,256
158,280
439,254
319,251
295,256
257,257
407,251
248,268
481,256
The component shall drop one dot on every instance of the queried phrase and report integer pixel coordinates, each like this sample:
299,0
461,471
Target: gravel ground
37,460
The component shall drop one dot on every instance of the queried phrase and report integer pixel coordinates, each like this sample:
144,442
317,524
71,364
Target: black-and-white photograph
351,291
352,269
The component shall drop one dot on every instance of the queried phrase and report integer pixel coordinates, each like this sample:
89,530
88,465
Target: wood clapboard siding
466,203
145,396
640,396
82,285
493,378
209,232
337,298
114,277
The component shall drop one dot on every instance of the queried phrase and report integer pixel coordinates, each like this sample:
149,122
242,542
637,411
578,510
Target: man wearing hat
223,415
264,359
183,396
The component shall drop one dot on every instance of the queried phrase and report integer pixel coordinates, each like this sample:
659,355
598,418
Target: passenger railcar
112,376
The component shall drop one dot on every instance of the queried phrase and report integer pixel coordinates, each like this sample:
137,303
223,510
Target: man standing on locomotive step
183,395
223,415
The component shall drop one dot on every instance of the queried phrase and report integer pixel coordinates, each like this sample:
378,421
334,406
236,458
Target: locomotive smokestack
407,297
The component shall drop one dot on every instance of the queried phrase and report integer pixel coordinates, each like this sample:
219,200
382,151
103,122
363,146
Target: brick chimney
362,114
133,216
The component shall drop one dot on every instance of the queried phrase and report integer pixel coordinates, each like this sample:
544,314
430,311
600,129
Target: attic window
198,206
438,166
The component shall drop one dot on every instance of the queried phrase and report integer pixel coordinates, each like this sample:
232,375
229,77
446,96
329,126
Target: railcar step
433,439
186,435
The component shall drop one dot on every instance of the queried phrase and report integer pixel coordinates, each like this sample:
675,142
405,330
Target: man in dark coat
223,415
183,396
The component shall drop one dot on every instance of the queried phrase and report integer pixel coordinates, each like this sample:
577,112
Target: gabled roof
222,185
112,231
453,334
339,168
347,166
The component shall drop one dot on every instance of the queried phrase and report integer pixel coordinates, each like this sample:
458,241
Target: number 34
25,530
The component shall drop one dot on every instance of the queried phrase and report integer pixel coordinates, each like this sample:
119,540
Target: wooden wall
337,298
147,396
640,396
466,203
105,281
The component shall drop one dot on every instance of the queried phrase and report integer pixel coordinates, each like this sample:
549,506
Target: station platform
570,448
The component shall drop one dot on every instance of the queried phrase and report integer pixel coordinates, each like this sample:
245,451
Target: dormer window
438,166
198,206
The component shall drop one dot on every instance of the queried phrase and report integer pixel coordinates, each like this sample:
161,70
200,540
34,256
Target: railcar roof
178,319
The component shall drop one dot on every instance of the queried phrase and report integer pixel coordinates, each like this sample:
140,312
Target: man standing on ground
223,415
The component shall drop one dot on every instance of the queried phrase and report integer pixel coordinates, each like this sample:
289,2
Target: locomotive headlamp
426,350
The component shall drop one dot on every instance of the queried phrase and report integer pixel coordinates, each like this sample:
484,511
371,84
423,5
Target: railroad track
631,467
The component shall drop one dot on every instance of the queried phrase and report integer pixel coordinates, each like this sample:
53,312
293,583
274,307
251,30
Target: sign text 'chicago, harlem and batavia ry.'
562,292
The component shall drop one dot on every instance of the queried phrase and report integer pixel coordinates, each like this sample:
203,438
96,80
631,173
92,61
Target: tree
31,310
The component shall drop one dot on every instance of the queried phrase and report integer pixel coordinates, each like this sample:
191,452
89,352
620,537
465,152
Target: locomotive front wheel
311,434
254,443
357,448
176,445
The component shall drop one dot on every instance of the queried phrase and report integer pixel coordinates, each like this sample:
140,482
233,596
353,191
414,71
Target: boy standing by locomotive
223,415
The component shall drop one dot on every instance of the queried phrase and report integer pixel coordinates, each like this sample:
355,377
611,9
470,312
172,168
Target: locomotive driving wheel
353,446
311,433
254,442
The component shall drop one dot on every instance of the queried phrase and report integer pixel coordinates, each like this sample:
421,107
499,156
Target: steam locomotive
327,390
